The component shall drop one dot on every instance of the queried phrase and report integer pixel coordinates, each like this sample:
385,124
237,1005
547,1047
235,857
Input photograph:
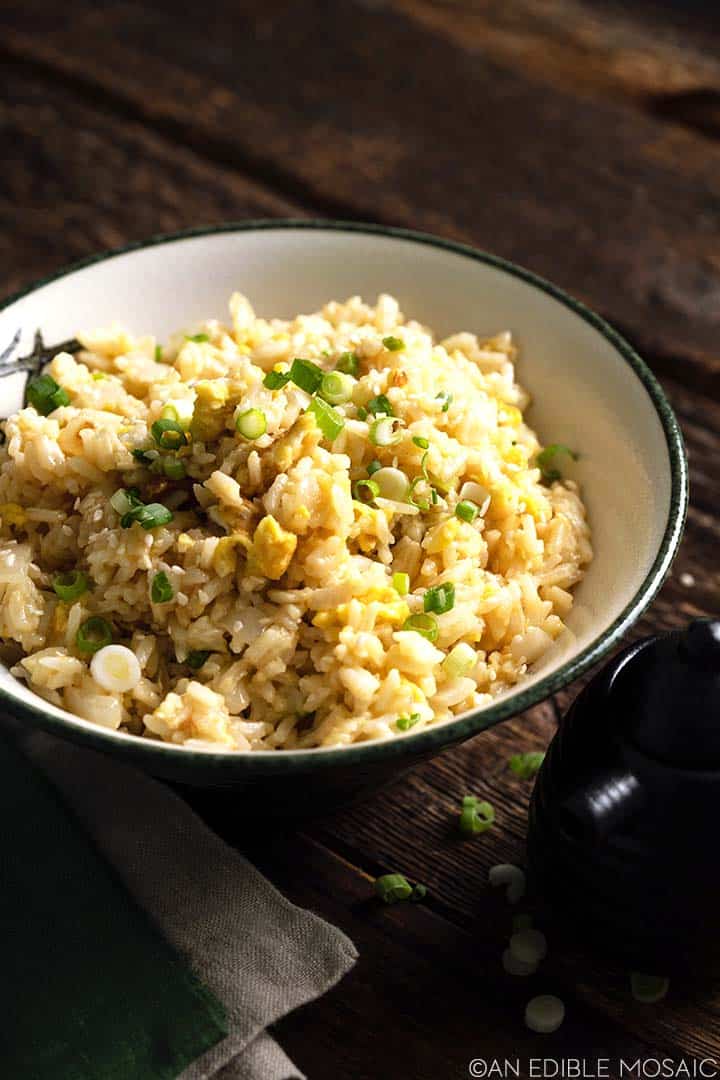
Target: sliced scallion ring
393,483
365,490
393,887
251,424
306,375
327,419
440,598
168,434
275,380
393,344
475,816
70,585
401,583
348,363
152,515
383,432
95,633
467,510
336,387
174,469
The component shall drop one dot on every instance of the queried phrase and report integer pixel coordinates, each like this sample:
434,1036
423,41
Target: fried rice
303,533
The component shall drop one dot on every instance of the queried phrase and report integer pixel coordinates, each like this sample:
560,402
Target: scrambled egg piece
272,548
12,514
208,420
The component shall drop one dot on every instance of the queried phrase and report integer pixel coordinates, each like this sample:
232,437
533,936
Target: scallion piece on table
336,387
467,510
168,434
95,633
251,424
404,723
421,441
197,658
365,490
348,363
70,585
46,395
393,887
327,419
648,989
306,375
379,405
401,583
424,624
545,461
383,432
199,339
475,816
275,380
446,399
393,344
526,765
419,892
161,591
440,598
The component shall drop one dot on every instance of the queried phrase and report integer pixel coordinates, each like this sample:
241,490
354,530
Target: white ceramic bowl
590,391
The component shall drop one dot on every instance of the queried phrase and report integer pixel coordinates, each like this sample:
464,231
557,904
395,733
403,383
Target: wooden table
573,137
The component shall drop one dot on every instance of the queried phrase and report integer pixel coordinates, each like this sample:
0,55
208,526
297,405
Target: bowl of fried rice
316,498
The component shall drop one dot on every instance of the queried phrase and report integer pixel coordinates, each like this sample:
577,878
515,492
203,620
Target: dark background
580,139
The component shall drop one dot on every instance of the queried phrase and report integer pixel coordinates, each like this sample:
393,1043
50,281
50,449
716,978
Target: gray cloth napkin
260,955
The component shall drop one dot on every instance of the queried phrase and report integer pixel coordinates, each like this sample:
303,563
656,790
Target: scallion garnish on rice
275,380
45,395
327,419
251,424
199,339
197,658
383,431
393,344
379,406
174,469
70,585
424,624
336,387
365,490
401,583
374,466
95,633
421,441
306,375
131,508
446,399
161,591
545,461
349,363
467,510
404,723
440,598
168,434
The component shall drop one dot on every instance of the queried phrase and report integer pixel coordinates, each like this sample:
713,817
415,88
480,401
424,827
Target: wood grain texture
368,111
535,129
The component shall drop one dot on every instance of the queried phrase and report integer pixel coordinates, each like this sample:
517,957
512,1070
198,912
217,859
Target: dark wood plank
366,110
78,179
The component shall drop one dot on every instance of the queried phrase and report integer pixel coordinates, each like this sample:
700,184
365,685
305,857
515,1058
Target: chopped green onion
467,510
174,469
373,467
251,424
274,380
142,456
419,893
197,658
393,344
125,500
151,516
362,413
393,483
168,434
648,989
306,375
197,338
459,661
446,399
393,887
401,583
158,354
420,441
440,598
336,387
434,497
475,816
378,405
526,765
383,431
98,376
327,419
404,723
46,395
545,461
414,500
161,590
70,585
348,363
181,410
426,625
366,490
95,633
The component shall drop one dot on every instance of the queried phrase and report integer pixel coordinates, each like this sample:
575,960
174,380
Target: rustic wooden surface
578,138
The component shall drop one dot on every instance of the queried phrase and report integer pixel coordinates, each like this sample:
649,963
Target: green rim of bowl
430,740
